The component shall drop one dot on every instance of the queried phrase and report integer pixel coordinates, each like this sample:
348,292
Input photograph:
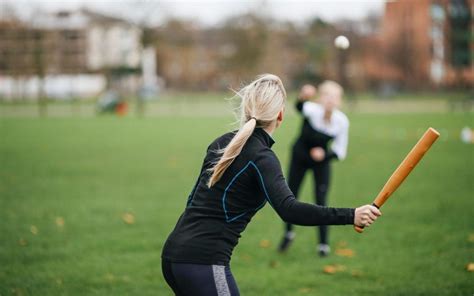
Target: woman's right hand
366,215
307,92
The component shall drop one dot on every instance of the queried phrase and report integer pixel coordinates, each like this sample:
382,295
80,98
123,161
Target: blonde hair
261,100
330,86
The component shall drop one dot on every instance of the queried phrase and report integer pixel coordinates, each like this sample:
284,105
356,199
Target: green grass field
65,184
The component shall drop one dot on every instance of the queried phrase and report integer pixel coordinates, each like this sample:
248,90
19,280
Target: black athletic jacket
210,227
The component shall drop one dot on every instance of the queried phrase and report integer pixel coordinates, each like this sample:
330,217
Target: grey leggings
199,280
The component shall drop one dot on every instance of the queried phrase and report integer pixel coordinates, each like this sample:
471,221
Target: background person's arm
339,145
306,93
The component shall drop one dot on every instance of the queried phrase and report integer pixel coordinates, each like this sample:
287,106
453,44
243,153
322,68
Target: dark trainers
324,250
286,241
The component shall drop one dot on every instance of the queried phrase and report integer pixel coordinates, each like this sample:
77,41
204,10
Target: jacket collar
263,136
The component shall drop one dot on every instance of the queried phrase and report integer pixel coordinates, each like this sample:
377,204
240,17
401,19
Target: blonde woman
323,138
239,175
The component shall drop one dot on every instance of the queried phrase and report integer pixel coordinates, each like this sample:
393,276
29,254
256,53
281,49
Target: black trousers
199,280
301,162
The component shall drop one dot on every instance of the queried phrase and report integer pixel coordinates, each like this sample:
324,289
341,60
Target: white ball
341,42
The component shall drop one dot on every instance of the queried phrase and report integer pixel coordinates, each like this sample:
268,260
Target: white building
110,41
106,43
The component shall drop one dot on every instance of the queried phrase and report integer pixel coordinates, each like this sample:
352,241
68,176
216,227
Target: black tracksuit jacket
214,218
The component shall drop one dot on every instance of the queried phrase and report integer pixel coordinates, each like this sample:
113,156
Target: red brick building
423,43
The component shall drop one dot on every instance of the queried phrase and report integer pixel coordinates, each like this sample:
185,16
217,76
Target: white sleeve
311,109
339,145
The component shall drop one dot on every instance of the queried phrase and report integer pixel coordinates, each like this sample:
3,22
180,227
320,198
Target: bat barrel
407,165
405,168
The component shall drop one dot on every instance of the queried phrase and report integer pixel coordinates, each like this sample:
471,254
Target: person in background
323,138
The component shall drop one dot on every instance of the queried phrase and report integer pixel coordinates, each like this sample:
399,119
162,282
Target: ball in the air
341,42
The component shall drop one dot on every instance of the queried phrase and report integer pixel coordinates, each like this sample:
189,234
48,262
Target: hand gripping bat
404,169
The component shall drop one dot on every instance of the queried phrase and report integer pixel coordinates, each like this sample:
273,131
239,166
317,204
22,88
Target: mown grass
90,171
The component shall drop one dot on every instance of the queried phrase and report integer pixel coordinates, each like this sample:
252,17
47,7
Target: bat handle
360,229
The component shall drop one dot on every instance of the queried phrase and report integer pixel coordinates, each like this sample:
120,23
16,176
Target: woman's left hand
317,154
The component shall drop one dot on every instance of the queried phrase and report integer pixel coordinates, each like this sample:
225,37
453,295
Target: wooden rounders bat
404,169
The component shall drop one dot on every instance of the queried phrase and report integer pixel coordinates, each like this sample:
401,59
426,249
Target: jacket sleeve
309,108
339,145
299,105
283,201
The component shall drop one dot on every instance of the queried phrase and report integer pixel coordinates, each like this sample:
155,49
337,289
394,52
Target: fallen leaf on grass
331,269
470,267
22,242
345,252
34,229
356,273
274,264
264,244
59,222
128,218
471,238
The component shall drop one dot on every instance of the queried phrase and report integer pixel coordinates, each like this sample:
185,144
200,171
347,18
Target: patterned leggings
196,279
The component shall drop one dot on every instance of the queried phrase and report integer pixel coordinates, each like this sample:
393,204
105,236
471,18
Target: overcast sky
211,12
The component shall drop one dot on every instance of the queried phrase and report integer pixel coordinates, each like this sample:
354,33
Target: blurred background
107,107
136,51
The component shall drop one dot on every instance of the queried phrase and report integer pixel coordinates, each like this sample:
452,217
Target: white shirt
337,127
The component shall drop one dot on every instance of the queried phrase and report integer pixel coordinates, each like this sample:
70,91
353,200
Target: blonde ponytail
232,150
261,101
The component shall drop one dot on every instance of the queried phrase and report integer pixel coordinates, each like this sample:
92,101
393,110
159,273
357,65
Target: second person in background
323,138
